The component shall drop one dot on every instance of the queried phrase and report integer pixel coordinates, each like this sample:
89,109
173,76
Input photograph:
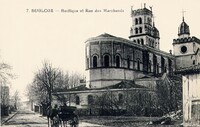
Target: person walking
54,116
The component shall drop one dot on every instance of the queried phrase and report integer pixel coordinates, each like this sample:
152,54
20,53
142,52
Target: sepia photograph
100,63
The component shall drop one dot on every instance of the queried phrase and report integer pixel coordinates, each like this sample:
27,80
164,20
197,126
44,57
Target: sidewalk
6,118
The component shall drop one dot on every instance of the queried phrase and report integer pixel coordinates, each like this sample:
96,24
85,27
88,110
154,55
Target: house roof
121,85
124,84
117,87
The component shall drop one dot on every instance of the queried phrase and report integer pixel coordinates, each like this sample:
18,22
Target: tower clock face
183,49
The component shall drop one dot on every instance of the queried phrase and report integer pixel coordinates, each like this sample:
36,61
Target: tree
49,79
5,73
16,100
45,80
127,102
5,76
169,91
74,79
107,103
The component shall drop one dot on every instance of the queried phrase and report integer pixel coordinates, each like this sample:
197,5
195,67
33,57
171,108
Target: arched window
136,30
90,99
145,27
140,20
77,100
138,41
121,98
140,29
136,21
94,62
128,61
106,61
117,61
153,43
142,41
149,66
134,41
138,64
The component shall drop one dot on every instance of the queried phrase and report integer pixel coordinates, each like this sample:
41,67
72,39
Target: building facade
110,59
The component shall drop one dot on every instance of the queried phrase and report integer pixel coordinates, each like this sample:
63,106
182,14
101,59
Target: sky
28,38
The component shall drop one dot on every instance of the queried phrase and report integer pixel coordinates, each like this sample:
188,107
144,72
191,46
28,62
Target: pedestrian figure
49,108
54,116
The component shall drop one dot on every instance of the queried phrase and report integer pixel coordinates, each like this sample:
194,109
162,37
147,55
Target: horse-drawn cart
66,115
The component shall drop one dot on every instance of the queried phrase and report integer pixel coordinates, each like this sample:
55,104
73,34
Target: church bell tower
143,30
185,47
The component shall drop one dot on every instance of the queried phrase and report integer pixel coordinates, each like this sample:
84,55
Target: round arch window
183,49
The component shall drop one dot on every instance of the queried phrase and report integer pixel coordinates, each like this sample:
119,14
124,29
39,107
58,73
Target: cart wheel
74,122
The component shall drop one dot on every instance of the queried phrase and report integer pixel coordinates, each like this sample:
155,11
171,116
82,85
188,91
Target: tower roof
143,11
183,28
155,31
105,35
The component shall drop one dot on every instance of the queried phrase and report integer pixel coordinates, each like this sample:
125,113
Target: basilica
136,66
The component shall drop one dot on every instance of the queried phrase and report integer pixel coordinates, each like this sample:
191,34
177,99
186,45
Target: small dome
156,32
183,28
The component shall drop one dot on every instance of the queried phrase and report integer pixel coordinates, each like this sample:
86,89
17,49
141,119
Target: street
31,119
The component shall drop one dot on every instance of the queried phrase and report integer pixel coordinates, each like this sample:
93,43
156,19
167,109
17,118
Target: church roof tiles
121,85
